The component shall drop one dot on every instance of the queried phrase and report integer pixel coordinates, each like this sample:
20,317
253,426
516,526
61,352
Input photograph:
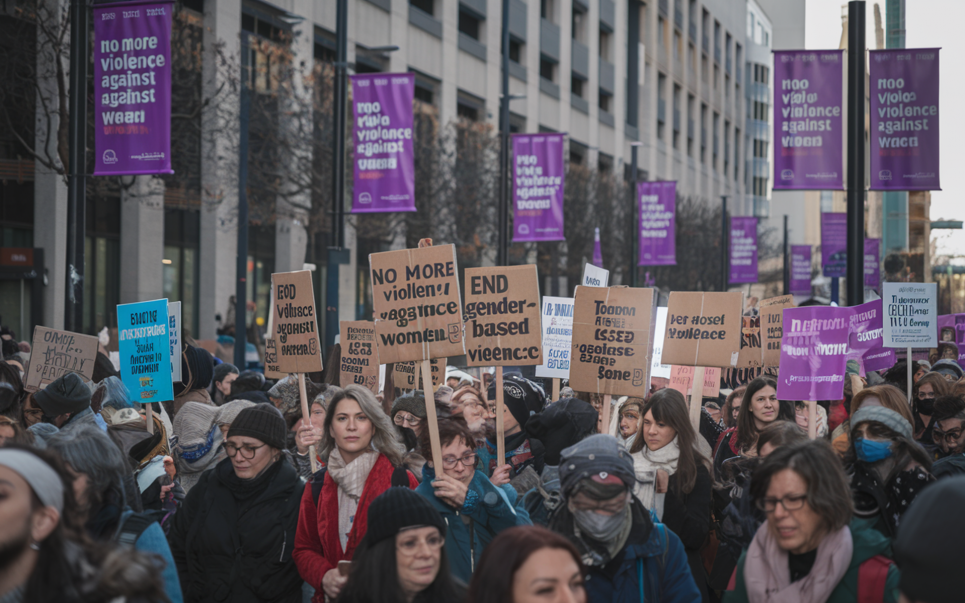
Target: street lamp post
634,208
724,277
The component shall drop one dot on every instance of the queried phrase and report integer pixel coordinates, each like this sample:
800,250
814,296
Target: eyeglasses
410,546
468,460
411,420
247,452
950,436
790,503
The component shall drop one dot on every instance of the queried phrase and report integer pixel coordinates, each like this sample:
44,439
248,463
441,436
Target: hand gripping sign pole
307,417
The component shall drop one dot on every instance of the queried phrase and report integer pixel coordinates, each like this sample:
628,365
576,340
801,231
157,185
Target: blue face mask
871,451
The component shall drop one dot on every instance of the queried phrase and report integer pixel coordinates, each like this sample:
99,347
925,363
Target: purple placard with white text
132,88
814,352
800,270
538,177
808,120
834,244
743,250
903,86
658,218
865,338
872,263
384,167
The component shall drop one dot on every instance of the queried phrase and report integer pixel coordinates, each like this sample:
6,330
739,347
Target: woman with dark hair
806,551
732,406
529,564
758,409
673,477
926,390
363,458
888,468
402,557
197,370
11,397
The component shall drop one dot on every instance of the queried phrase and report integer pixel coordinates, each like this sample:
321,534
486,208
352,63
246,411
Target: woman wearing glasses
232,540
809,550
473,508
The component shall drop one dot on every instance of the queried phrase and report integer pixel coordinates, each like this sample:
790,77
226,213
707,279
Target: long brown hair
668,406
939,385
727,412
747,431
890,396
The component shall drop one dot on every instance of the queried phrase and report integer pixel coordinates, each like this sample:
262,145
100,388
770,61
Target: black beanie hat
520,395
397,509
262,422
561,425
66,394
928,545
198,365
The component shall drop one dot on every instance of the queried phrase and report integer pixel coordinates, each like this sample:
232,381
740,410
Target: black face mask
926,406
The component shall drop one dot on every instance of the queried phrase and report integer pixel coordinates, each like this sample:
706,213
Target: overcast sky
928,24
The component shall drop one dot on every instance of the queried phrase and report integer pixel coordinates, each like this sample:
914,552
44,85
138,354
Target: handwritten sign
405,374
594,276
294,327
911,315
682,380
359,363
145,350
703,329
772,327
56,353
503,316
557,337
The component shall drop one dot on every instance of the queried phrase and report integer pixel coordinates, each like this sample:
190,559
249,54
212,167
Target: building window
547,69
827,202
546,10
424,5
465,111
576,85
578,32
469,24
515,51
576,156
606,101
604,163
661,33
737,152
605,45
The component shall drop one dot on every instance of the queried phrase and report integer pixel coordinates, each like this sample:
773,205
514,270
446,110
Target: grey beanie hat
413,403
947,367
885,416
229,411
599,455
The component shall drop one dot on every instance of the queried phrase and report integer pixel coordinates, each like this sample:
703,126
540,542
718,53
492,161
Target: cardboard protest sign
557,337
359,363
56,353
405,374
865,335
145,350
272,370
503,316
703,329
772,320
682,380
174,334
910,315
594,276
751,352
612,340
657,367
951,329
294,327
418,311
814,352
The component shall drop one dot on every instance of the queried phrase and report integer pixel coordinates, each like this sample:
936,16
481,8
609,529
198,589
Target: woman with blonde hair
885,395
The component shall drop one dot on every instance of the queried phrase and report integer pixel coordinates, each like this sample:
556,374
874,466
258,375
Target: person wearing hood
232,540
524,455
196,444
197,368
558,426
249,385
628,556
221,379
473,507
65,403
809,550
949,369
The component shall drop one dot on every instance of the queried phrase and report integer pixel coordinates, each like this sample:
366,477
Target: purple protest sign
597,250
865,338
834,243
814,350
658,210
743,249
132,88
872,263
800,270
903,86
384,167
808,125
538,176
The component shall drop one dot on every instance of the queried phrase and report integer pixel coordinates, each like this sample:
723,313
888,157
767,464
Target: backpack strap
400,477
134,525
318,479
872,578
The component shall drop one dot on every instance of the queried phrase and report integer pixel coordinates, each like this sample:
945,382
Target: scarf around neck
767,574
646,462
350,480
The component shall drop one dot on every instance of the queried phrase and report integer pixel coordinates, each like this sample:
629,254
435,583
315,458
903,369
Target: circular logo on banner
109,157
524,229
365,198
787,174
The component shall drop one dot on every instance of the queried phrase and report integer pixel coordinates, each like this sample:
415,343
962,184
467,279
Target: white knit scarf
350,480
646,462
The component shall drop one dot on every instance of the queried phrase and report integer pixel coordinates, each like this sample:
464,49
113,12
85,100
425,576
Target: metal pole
787,263
77,166
241,261
338,175
634,221
724,277
856,151
503,222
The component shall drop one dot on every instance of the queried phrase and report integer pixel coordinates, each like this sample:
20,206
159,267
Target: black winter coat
688,516
238,548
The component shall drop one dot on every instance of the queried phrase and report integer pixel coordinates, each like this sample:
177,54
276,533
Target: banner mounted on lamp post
132,88
538,175
384,166
743,250
872,263
808,122
800,269
658,211
834,243
903,86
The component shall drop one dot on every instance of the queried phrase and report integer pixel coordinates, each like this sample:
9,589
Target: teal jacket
868,542
488,510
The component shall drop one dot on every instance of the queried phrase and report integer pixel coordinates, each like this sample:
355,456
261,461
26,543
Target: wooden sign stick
908,363
556,390
306,418
697,396
500,430
150,418
431,416
605,427
812,419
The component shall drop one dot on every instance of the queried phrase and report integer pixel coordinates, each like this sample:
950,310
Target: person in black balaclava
524,455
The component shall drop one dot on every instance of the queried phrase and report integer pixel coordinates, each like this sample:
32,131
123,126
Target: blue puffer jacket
490,509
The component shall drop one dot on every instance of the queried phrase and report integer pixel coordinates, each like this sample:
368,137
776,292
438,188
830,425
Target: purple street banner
743,250
834,243
132,88
658,211
865,338
800,270
872,263
538,175
814,352
903,85
384,165
597,250
808,124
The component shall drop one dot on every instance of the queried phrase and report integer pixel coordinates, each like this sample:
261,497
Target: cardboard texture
359,363
703,329
405,374
612,340
682,380
751,352
503,317
55,353
417,307
772,321
294,327
271,361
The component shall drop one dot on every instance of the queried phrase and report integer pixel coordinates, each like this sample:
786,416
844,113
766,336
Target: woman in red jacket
363,459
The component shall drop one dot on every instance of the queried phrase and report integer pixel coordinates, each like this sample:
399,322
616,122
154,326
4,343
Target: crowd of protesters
234,496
